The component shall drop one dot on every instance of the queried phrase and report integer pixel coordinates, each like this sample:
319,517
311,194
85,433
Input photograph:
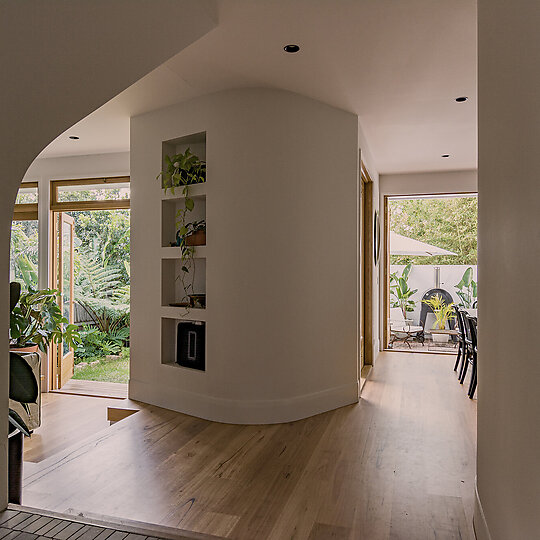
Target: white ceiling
397,64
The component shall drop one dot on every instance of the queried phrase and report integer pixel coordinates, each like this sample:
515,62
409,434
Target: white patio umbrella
402,245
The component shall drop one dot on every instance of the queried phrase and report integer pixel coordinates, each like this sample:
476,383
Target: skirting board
481,530
231,411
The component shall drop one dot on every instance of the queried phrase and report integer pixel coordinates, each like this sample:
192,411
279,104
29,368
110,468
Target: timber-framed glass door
63,269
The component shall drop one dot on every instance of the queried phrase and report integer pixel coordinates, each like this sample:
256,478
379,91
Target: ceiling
397,64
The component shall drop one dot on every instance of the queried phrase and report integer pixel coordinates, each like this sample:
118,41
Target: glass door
63,355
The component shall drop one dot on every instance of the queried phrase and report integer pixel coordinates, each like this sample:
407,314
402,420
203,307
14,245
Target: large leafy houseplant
401,292
36,319
467,289
183,170
443,312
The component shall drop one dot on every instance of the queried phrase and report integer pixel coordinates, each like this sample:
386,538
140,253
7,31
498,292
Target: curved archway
63,61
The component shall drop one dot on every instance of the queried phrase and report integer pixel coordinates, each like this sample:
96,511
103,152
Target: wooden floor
66,420
95,388
399,465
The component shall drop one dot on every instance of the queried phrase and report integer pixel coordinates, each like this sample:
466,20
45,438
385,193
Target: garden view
101,285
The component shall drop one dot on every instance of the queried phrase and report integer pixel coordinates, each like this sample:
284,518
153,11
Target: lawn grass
108,371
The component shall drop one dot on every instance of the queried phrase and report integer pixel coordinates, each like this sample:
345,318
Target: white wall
281,284
431,183
509,233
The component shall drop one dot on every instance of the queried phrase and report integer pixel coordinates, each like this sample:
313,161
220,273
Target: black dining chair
474,354
470,341
462,346
468,346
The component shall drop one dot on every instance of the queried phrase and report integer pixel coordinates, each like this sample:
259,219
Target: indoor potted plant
36,321
195,233
443,313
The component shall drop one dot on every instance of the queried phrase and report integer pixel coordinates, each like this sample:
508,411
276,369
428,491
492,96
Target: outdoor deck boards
21,525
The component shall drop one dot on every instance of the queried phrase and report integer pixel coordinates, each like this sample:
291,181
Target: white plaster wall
508,464
281,270
430,183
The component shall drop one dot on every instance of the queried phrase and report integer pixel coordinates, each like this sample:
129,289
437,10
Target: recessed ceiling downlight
445,155
462,99
74,137
291,48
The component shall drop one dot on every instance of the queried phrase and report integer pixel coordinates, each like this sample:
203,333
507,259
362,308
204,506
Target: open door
63,239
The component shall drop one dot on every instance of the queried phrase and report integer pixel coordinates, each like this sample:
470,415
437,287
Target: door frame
56,207
366,221
56,357
386,255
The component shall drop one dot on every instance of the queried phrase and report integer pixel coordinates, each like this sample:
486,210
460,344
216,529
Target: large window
24,248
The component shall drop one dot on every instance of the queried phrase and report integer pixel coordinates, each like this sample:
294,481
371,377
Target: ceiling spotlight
291,48
445,155
74,137
462,99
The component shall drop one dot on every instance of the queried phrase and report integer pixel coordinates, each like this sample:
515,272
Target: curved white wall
281,266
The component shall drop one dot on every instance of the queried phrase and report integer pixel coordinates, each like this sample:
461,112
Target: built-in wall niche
171,204
183,343
172,288
196,142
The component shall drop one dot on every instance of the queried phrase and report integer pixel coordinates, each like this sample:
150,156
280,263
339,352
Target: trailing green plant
36,319
184,170
400,292
443,312
467,289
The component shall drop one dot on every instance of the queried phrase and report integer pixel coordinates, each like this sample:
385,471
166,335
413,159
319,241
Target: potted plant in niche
184,170
443,313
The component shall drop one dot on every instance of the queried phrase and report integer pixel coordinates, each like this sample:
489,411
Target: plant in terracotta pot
194,233
36,321
443,313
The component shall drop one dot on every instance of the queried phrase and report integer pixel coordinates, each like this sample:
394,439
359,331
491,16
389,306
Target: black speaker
190,345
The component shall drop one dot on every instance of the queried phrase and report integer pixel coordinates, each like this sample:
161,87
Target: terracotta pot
27,349
196,239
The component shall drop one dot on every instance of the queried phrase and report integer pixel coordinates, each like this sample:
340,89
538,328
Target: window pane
27,195
24,253
97,192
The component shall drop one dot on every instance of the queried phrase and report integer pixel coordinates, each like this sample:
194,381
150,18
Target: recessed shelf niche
172,290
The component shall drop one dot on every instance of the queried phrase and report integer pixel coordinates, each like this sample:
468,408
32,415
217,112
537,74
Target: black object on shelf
190,345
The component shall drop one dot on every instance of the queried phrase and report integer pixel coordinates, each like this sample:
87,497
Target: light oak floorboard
398,465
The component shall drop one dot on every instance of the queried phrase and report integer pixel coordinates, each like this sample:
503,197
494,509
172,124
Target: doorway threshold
94,389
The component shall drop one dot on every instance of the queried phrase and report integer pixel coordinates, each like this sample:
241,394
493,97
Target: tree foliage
449,223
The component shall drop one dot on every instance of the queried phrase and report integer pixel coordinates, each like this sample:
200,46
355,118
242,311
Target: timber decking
398,465
20,523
